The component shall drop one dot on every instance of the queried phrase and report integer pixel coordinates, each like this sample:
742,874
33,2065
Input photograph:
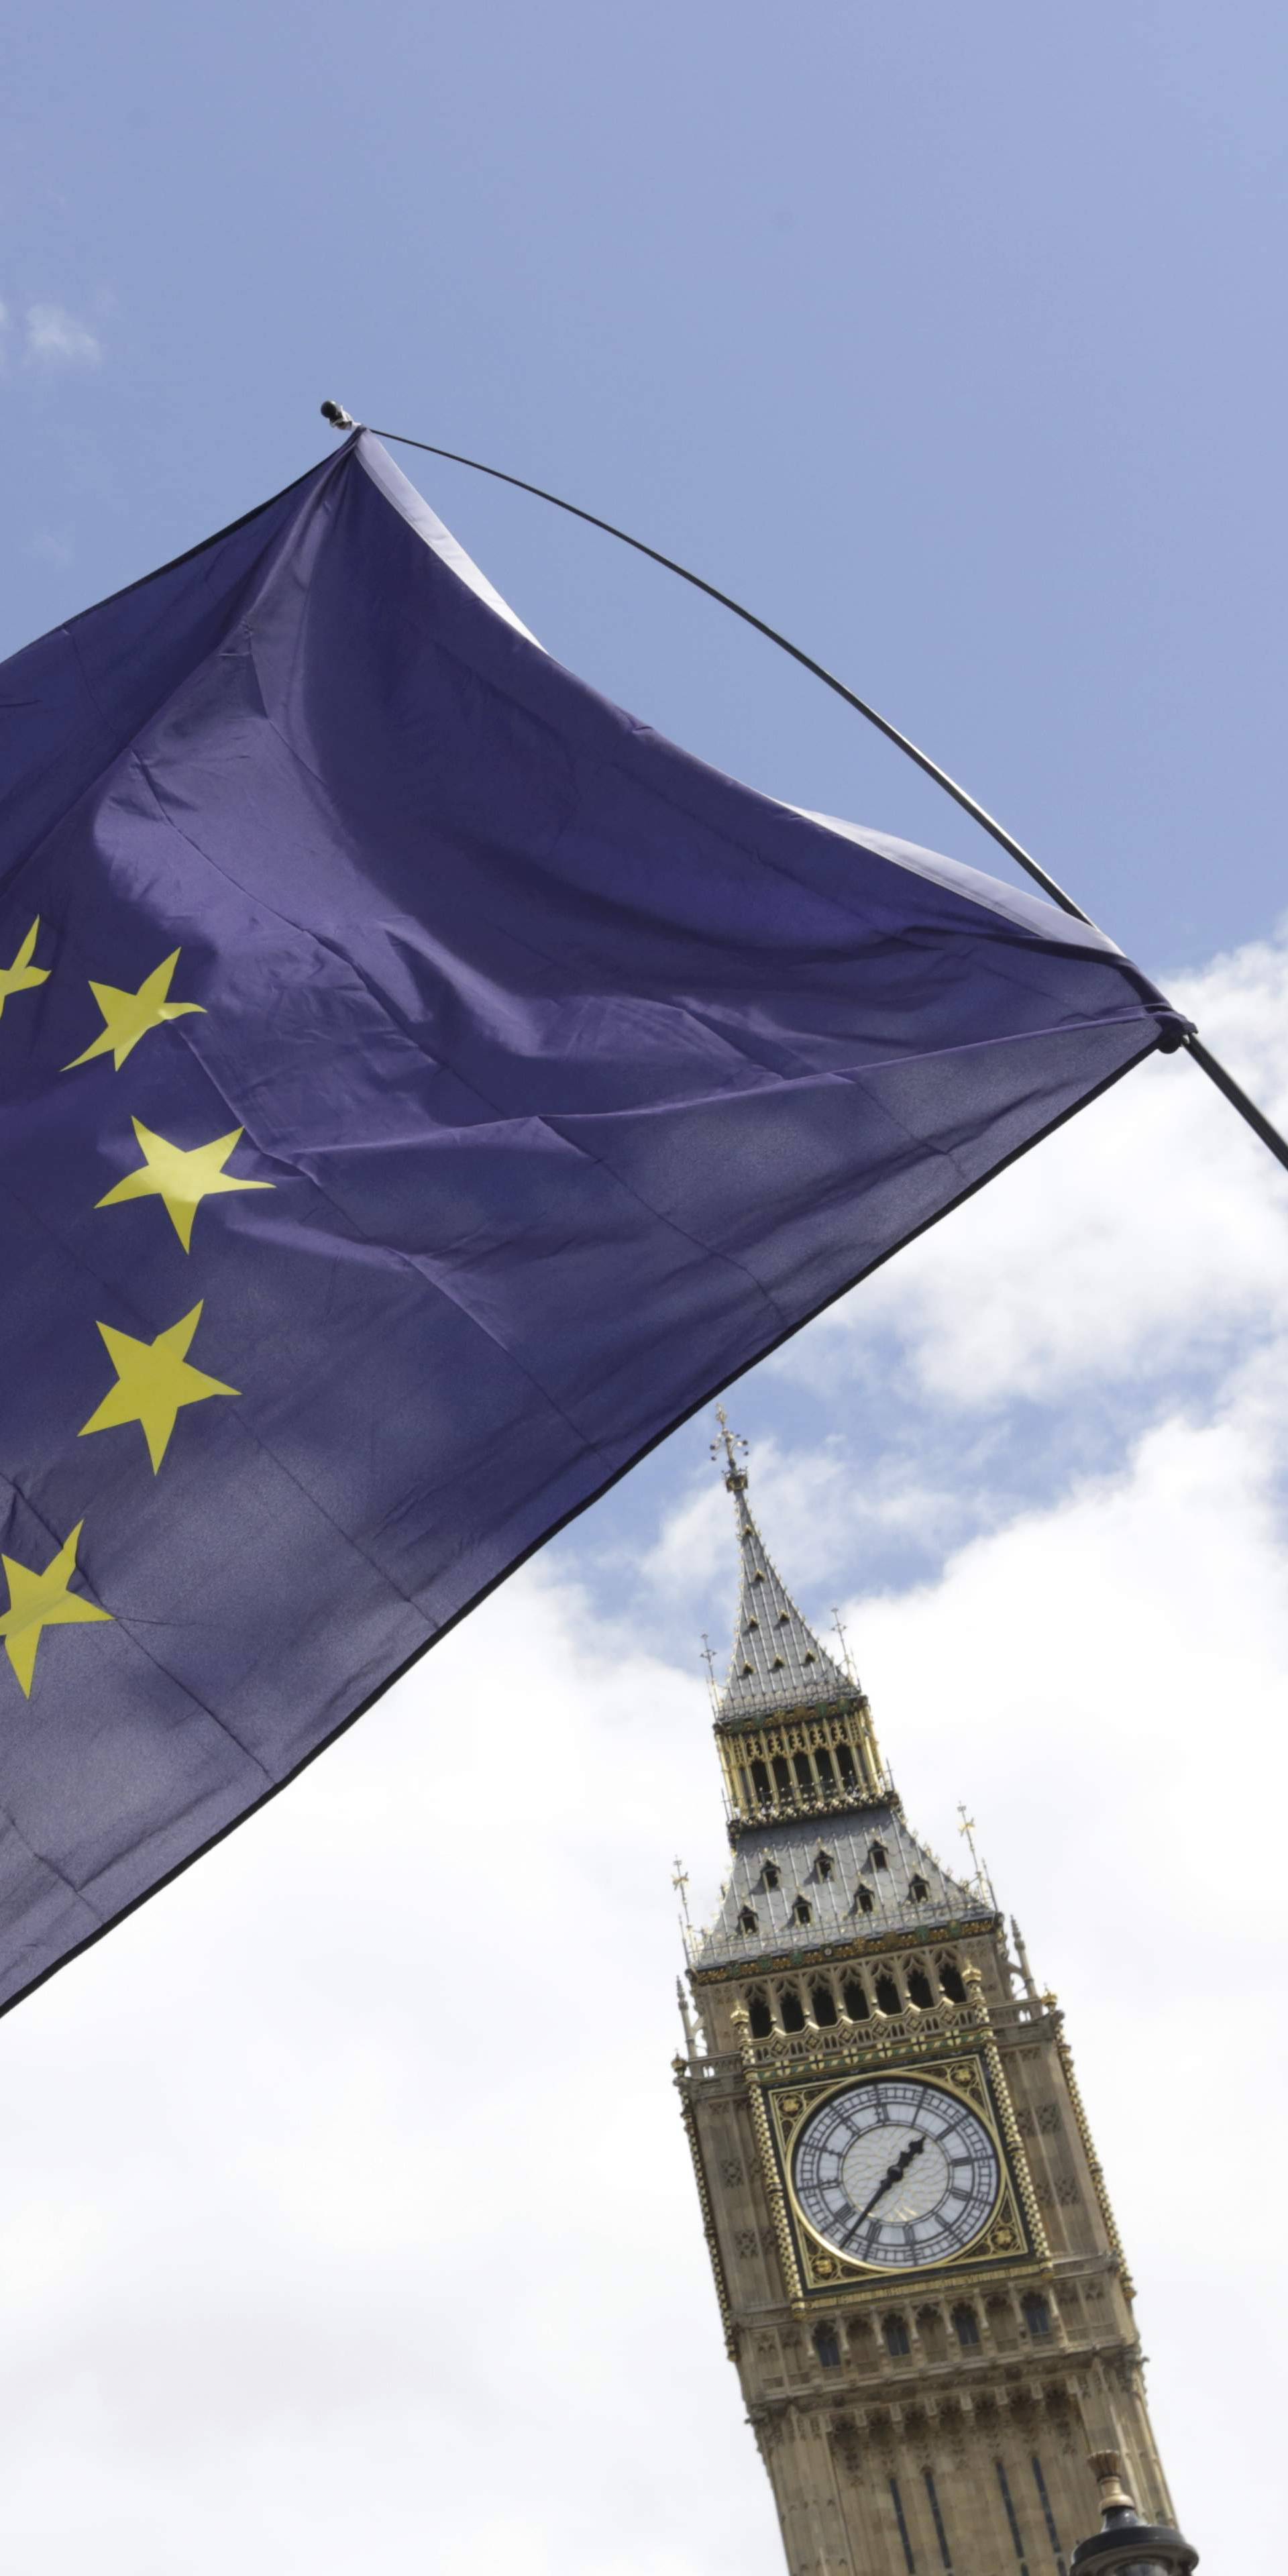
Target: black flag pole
1208,1063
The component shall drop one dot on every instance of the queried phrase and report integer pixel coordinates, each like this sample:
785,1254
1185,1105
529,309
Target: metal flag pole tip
337,415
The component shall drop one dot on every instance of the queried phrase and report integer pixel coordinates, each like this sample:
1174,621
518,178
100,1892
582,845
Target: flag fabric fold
421,1086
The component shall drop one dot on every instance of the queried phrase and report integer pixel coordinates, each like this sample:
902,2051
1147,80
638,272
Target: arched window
856,1999
824,1865
877,1857
782,1776
950,1978
865,1900
1036,2313
888,1999
827,2344
823,1760
918,1890
772,1873
845,1765
760,1783
792,2009
804,1775
823,2004
896,2337
747,1919
762,2020
802,1911
919,1989
966,2327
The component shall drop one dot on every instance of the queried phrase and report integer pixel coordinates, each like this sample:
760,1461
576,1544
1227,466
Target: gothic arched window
792,2009
824,1865
760,1783
918,1890
888,1998
747,1920
823,2004
966,2327
865,1900
802,1911
762,2020
845,1765
1037,2315
896,2337
950,1978
877,1857
823,1759
919,1989
827,2344
856,2000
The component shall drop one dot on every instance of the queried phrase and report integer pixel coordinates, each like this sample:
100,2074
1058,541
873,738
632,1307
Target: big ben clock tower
920,2279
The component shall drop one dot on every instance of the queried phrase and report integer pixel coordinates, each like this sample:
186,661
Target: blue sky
949,340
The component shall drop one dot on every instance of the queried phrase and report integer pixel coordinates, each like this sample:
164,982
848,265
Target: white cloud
1148,1235
56,338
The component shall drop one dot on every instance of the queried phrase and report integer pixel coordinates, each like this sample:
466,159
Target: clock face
895,2173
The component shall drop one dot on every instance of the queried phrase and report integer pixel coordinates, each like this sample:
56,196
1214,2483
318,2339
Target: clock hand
896,2173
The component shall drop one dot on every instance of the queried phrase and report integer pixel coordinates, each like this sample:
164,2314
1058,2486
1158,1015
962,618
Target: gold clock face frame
849,2151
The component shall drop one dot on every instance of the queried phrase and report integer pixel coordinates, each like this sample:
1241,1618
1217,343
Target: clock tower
919,2276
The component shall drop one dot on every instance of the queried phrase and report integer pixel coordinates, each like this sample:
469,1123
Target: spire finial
730,1442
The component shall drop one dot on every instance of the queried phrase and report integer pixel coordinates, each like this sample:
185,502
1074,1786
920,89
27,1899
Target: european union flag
420,1088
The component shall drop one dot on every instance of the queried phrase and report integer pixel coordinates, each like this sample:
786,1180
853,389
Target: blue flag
420,1088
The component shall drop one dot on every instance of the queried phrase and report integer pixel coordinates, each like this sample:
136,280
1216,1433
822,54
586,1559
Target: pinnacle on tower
777,1662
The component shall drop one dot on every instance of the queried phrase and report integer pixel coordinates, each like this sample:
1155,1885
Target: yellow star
22,975
153,1379
127,1017
40,1601
182,1179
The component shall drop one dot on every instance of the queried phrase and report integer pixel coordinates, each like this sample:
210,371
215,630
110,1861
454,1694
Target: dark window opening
824,1865
777,1664
772,1873
760,1783
823,1760
845,1765
823,2006
804,1773
966,2327
888,2000
918,1890
807,1657
747,1920
784,1618
877,1857
940,2533
902,2520
746,1671
1047,2515
950,1978
758,1574
753,1622
802,1911
1004,2484
896,2337
865,1900
856,1999
782,1776
792,2009
827,2344
762,2020
919,1989
1037,2314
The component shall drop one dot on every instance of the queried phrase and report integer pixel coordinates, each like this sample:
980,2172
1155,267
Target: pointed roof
777,1662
